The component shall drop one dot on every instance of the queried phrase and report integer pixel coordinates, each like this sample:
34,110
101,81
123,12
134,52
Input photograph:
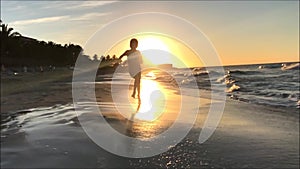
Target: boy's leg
134,88
138,83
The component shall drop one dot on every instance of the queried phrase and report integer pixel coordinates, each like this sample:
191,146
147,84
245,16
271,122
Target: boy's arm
124,54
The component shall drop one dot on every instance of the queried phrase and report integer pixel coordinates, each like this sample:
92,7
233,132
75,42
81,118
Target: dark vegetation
17,50
20,51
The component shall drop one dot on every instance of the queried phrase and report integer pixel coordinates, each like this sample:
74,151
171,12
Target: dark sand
40,129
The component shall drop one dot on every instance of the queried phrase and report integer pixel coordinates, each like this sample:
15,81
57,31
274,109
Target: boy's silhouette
134,59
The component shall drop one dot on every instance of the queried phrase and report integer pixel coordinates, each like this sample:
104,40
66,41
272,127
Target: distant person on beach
25,69
3,68
41,69
134,59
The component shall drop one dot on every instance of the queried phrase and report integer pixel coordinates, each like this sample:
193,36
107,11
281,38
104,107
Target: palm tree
6,34
107,58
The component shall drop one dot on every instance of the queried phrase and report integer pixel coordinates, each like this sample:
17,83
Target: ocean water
275,85
268,84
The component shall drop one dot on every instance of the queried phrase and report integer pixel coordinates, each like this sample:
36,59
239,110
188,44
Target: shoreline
38,87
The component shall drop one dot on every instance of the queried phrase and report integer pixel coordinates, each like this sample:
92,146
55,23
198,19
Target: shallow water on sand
52,137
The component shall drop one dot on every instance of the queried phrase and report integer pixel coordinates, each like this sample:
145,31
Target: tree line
21,51
18,50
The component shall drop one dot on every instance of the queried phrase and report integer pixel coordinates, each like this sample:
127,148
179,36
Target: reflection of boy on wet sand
134,59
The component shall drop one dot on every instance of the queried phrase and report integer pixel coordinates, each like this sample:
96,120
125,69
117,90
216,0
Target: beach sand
39,128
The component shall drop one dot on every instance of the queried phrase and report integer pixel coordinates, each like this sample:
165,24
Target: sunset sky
243,32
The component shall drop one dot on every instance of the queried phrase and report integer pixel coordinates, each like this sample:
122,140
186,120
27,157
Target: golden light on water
155,101
152,102
157,109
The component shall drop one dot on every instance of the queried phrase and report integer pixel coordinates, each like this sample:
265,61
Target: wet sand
39,128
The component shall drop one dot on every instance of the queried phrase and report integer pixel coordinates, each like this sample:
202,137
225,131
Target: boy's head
133,43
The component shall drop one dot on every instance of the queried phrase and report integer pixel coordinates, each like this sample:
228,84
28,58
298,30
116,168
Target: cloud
39,20
89,16
12,6
90,4
16,8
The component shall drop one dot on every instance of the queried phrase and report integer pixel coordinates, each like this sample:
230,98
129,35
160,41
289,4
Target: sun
152,43
158,49
155,51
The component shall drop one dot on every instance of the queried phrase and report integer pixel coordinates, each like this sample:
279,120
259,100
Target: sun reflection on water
156,110
154,99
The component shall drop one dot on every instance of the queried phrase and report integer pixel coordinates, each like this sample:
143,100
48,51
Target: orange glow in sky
175,52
